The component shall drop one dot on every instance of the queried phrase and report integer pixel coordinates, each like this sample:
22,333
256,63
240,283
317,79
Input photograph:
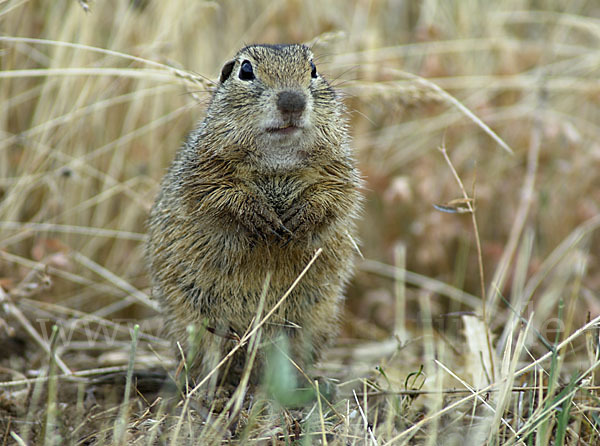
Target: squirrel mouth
283,130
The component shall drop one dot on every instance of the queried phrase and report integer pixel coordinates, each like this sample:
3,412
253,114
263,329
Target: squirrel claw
288,240
286,231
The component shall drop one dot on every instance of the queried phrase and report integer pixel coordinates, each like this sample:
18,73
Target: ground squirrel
265,180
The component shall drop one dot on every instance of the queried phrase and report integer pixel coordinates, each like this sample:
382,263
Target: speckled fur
239,202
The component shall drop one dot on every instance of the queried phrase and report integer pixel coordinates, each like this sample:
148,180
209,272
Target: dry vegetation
94,104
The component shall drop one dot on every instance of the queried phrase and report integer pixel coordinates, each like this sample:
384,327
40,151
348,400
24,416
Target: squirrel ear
226,70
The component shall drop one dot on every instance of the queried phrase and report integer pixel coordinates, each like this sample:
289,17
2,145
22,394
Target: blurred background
96,97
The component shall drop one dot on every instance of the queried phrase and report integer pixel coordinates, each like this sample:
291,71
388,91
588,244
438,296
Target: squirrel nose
291,103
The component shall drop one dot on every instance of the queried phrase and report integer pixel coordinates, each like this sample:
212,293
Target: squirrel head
274,108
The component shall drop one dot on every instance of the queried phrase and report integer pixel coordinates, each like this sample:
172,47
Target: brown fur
241,201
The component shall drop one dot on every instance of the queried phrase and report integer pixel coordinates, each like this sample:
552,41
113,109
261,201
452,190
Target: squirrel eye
246,73
313,70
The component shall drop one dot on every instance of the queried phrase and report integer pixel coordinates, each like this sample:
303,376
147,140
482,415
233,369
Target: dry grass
94,105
